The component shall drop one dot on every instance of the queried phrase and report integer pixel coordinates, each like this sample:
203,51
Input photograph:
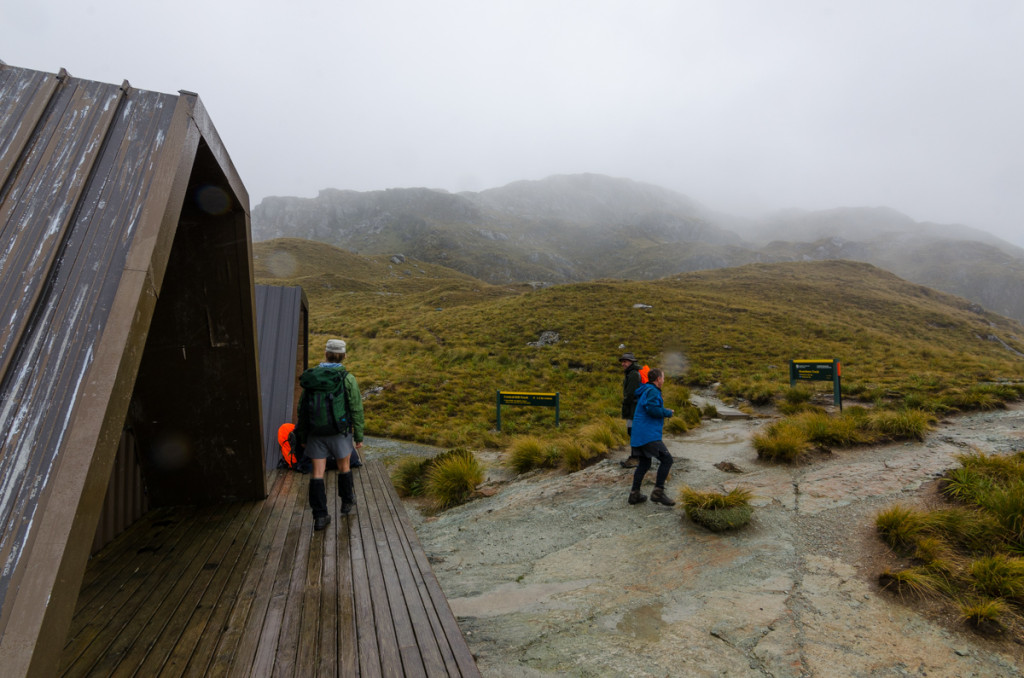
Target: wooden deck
249,589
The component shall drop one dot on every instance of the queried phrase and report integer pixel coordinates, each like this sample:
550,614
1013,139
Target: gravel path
557,575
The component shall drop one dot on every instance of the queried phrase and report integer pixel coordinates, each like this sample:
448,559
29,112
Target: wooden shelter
126,287
283,329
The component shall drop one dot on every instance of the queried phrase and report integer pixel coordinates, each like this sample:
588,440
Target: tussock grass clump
797,399
973,549
984,614
717,511
686,417
571,453
979,397
447,478
758,392
527,453
963,485
606,434
827,431
788,439
408,474
999,576
916,582
900,526
972,531
452,478
906,424
782,441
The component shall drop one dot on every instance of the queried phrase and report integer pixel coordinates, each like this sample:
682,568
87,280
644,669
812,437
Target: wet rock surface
556,574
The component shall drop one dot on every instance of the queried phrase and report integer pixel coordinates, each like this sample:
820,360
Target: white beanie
335,345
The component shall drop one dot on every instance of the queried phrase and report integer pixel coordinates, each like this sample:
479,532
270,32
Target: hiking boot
660,497
636,498
320,522
346,490
632,462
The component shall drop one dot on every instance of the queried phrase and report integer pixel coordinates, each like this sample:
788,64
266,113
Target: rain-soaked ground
556,574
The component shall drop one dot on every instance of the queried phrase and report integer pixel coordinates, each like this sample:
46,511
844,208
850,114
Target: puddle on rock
643,623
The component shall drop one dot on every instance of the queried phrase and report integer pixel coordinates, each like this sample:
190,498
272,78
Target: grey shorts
321,447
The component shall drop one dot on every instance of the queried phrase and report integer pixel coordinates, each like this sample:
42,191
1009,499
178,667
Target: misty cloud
744,106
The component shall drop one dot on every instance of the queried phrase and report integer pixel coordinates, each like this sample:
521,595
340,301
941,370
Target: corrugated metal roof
283,329
93,181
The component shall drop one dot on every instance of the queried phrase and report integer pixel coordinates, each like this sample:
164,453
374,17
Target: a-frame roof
127,300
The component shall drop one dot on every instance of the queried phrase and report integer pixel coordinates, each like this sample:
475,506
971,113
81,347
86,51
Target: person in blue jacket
648,422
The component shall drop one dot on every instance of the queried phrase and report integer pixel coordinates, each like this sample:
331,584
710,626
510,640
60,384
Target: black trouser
652,450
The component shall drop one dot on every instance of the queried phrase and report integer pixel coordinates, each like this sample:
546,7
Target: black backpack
326,400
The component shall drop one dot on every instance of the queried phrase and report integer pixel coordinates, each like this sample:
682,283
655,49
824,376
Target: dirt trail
557,575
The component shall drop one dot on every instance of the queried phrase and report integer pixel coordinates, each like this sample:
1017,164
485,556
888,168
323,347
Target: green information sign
819,370
527,398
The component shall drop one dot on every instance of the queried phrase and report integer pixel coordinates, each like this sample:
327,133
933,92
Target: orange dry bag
284,439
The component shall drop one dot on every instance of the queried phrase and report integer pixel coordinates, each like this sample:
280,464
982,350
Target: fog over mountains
571,228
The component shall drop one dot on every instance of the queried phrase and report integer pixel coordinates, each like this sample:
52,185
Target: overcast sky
746,106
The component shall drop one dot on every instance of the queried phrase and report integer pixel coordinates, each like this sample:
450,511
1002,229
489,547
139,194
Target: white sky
743,105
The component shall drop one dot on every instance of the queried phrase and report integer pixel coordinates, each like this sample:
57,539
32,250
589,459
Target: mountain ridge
571,228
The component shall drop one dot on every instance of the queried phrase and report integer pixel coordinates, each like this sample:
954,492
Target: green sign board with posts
527,398
819,370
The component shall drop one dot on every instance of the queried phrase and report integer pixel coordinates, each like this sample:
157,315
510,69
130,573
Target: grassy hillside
437,344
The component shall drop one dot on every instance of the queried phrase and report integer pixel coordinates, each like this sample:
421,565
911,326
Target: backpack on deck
643,373
327,400
293,455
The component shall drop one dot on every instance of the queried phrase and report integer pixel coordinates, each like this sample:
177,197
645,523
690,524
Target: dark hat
628,356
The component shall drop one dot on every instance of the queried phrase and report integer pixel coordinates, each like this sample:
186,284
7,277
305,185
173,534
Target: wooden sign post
523,398
819,370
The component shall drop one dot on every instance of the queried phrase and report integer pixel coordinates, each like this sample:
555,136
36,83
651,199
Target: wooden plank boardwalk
248,589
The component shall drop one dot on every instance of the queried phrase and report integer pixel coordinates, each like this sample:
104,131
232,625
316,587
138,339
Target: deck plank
347,638
178,593
112,588
382,626
325,663
197,639
250,589
270,630
409,576
231,649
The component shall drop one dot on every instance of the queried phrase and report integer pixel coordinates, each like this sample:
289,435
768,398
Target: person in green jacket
341,446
